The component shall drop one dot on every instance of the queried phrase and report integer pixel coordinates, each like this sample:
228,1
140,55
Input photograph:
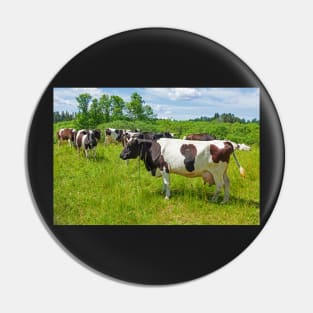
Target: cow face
92,139
131,151
119,134
97,134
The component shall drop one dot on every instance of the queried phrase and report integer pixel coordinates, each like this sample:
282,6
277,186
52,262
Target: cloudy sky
175,103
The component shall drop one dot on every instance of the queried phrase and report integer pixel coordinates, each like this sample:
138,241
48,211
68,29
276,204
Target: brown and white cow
207,137
87,140
189,158
202,137
66,134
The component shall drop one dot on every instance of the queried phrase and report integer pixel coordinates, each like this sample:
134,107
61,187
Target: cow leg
86,153
219,184
226,188
166,183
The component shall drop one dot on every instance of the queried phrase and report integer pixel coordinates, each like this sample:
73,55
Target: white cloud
64,99
175,93
162,110
94,92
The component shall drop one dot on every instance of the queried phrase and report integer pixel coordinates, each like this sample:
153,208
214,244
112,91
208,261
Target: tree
83,102
135,107
82,120
95,114
117,107
105,105
136,110
148,112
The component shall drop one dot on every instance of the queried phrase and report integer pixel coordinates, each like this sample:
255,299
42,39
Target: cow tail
241,169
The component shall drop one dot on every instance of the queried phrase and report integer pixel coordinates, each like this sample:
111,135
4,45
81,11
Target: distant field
106,191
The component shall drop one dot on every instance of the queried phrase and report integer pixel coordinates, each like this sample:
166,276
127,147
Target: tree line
224,117
63,116
94,111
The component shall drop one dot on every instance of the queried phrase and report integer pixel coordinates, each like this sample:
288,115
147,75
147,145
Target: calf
208,160
87,140
66,134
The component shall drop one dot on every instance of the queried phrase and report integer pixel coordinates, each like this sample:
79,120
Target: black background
154,58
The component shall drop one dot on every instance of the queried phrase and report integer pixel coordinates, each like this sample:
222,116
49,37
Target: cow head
119,134
97,134
92,139
131,150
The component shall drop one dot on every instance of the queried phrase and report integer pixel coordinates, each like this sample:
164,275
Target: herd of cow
197,155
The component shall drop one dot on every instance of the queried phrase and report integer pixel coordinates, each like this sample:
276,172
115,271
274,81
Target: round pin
155,156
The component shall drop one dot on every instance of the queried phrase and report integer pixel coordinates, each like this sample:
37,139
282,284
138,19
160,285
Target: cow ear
155,151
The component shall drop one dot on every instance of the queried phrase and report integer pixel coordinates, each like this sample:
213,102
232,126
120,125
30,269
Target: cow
188,158
244,147
128,135
207,137
164,135
87,140
66,134
112,134
202,137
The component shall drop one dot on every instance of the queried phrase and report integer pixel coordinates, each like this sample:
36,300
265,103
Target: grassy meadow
107,191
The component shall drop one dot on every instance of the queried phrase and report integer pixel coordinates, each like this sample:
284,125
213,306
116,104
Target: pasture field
106,191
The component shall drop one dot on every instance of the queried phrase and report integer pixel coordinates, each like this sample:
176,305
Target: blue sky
174,103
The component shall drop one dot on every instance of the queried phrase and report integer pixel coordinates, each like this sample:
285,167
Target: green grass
106,191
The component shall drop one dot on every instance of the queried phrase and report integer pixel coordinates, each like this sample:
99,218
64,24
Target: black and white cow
113,134
87,140
128,135
189,158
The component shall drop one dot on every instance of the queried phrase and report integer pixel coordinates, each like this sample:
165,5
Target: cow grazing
189,158
87,140
202,137
66,134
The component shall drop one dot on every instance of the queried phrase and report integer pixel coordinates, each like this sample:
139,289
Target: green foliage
136,110
82,117
95,114
248,133
105,104
83,102
225,118
135,107
118,106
